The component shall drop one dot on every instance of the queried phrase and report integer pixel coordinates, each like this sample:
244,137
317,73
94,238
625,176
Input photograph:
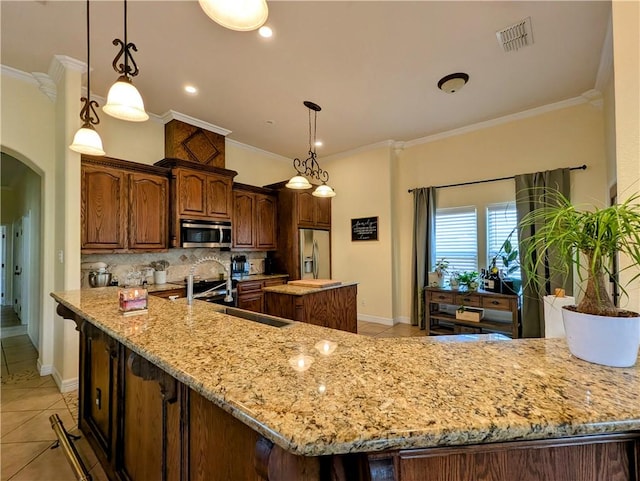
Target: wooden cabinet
255,218
502,315
335,308
313,212
250,295
124,206
166,293
198,191
297,210
203,194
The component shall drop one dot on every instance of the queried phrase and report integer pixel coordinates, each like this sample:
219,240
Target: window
501,222
457,238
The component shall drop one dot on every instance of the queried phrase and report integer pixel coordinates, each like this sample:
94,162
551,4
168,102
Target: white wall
255,166
363,189
566,137
27,133
626,45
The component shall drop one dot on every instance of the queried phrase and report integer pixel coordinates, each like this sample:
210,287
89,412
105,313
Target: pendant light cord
88,54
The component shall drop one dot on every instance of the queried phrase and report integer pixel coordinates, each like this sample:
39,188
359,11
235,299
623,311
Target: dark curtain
424,208
532,192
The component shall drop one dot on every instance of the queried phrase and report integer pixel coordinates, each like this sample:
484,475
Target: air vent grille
516,36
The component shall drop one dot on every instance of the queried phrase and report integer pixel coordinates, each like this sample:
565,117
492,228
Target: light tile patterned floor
27,400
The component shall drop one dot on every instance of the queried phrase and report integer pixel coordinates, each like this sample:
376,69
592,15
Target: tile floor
26,402
28,399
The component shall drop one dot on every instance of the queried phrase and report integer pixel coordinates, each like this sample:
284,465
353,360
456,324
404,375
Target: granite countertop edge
423,438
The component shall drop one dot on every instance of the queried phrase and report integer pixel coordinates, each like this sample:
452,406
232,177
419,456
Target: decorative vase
610,341
435,280
159,277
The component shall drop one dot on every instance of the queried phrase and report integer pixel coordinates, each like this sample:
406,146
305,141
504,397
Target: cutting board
315,283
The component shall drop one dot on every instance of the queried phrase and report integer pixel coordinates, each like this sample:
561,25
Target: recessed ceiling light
190,89
265,31
318,143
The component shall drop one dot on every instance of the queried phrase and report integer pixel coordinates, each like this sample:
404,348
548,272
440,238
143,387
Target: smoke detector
453,82
516,36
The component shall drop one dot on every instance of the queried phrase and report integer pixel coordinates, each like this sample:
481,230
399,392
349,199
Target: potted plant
468,280
596,330
160,271
508,254
436,277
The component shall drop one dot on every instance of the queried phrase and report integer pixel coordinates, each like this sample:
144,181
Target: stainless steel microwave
204,233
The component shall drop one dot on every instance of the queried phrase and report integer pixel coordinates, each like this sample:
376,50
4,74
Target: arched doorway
21,221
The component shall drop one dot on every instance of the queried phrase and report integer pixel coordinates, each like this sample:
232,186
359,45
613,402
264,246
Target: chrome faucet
190,296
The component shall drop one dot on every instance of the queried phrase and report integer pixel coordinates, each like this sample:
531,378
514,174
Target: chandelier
310,166
87,140
123,100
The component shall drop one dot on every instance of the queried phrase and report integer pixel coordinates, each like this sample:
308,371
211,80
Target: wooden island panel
334,307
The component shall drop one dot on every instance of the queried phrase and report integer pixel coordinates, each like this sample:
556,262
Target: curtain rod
582,167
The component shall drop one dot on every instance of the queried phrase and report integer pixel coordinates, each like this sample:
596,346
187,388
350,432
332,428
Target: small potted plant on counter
468,280
436,278
596,330
160,271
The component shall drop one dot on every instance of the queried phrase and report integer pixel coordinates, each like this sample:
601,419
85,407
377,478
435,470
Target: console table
441,320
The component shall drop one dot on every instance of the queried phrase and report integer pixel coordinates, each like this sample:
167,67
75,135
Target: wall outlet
61,256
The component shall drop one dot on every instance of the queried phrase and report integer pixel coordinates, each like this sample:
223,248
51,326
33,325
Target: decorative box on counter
133,301
471,314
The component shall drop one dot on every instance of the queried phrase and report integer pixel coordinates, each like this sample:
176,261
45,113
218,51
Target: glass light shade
87,141
240,15
125,102
298,182
324,191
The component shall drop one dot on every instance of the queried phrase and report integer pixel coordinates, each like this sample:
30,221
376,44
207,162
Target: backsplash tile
180,261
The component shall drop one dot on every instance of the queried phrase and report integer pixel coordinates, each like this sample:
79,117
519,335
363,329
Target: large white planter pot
611,341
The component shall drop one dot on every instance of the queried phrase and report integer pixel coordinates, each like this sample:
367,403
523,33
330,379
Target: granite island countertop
293,290
371,394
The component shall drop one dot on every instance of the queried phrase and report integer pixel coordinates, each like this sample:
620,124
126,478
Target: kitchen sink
257,317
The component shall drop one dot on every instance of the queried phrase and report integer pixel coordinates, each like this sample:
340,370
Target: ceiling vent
516,36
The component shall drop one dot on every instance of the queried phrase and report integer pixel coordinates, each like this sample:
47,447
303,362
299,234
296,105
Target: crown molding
46,85
594,97
605,69
60,63
173,115
389,144
525,114
18,74
251,148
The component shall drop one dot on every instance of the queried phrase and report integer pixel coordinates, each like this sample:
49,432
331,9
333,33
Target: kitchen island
335,306
191,393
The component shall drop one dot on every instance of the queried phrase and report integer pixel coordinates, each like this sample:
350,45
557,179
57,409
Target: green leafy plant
161,265
441,267
468,279
586,239
508,254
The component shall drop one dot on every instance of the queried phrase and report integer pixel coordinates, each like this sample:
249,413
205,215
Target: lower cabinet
250,296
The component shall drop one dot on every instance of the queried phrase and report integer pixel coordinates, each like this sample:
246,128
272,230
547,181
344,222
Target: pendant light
310,167
240,15
87,140
123,100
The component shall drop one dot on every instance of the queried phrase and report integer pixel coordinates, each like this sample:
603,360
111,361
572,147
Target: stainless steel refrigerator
315,254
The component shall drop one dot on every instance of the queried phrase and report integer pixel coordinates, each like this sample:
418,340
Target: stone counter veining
293,290
371,393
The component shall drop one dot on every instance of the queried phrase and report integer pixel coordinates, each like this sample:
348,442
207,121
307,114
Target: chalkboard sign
364,229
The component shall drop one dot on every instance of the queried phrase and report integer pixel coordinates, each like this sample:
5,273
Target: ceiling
373,67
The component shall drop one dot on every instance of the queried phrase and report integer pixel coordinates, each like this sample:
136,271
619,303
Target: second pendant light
123,100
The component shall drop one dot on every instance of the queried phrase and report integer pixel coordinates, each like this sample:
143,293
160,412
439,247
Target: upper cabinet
313,212
199,192
254,218
202,194
124,206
